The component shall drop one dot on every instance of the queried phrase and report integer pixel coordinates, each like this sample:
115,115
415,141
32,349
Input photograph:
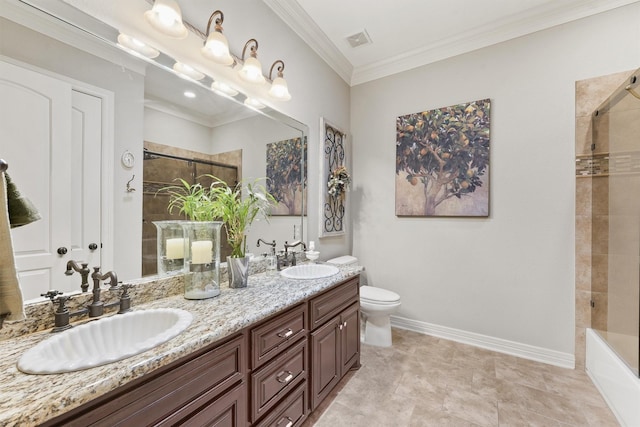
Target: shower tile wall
592,210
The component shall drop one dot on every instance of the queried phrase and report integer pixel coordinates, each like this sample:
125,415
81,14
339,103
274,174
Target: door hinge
592,303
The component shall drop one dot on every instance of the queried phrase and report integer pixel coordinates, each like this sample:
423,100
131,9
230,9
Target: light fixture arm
254,48
280,69
219,20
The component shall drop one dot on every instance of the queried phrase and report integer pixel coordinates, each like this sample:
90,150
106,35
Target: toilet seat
378,296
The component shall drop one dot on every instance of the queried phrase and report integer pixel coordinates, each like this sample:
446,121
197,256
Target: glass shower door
616,223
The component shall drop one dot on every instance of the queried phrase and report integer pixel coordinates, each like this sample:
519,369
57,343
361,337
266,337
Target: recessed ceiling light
359,39
189,94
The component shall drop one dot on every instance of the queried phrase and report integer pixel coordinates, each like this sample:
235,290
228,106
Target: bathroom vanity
266,356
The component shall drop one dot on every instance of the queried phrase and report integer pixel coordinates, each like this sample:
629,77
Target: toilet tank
343,260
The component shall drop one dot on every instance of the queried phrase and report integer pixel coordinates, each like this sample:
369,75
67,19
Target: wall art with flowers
442,161
335,180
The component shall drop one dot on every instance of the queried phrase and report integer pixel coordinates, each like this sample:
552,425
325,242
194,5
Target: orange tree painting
286,175
442,161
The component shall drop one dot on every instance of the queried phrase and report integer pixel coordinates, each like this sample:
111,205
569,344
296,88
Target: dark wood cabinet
182,390
272,373
335,343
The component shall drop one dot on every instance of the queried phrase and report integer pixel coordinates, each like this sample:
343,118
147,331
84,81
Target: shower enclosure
615,168
160,169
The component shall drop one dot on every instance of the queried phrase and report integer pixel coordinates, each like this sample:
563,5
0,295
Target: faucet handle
52,294
125,299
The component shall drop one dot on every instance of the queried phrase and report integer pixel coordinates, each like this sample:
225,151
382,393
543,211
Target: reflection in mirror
205,127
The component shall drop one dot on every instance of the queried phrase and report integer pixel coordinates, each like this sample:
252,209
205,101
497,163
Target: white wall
509,276
168,129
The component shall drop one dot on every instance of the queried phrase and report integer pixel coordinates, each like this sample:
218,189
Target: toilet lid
343,260
373,294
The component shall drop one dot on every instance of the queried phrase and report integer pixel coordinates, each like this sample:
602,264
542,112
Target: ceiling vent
359,39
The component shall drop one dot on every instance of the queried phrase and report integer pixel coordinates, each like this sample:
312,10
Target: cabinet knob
93,246
62,250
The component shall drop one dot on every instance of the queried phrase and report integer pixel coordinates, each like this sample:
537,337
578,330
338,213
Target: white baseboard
526,351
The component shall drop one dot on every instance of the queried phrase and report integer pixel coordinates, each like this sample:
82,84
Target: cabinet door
228,410
325,362
350,337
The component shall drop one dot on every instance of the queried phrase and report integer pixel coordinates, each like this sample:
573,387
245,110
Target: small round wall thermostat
128,159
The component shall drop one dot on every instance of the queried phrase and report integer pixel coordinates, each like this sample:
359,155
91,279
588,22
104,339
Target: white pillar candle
175,248
201,252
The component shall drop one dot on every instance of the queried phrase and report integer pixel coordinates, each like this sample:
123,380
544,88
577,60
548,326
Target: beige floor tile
428,381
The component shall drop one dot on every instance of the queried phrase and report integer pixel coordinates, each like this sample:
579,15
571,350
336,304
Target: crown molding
302,24
549,15
536,19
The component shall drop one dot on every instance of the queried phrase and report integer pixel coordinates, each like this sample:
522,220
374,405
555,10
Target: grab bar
3,165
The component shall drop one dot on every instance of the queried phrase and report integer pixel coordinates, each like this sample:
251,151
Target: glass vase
202,259
170,243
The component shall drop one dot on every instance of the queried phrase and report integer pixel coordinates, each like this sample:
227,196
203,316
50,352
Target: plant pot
238,271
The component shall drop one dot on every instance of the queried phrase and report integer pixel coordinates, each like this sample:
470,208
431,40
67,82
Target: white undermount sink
309,271
104,341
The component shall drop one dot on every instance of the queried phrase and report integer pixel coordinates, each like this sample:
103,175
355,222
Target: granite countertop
27,400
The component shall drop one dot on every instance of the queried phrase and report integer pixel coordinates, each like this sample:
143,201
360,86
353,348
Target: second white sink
103,341
309,271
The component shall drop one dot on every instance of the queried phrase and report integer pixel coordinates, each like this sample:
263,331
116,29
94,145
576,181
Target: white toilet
376,305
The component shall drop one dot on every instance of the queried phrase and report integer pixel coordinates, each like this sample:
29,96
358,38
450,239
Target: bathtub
619,386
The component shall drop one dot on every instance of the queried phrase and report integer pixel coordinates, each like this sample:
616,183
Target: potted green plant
238,212
228,204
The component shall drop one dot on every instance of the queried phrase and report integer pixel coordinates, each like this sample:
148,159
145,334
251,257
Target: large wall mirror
170,136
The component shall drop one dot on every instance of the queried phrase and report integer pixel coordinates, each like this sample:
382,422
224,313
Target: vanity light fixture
216,47
188,71
223,88
136,47
279,89
251,68
253,103
166,17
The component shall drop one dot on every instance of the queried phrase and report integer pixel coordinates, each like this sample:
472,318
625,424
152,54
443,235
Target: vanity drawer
273,381
330,303
291,412
277,334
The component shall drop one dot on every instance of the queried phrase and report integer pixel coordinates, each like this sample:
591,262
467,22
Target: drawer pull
286,334
288,420
286,379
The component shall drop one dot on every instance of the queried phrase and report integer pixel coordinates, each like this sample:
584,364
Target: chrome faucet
84,273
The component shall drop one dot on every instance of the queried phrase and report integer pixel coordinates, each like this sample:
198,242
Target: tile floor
427,381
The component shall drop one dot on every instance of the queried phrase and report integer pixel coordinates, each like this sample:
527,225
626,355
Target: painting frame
286,173
442,161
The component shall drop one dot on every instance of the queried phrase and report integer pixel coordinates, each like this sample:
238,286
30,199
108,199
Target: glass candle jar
202,259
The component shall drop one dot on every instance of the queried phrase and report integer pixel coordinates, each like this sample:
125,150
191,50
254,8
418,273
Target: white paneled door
50,135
